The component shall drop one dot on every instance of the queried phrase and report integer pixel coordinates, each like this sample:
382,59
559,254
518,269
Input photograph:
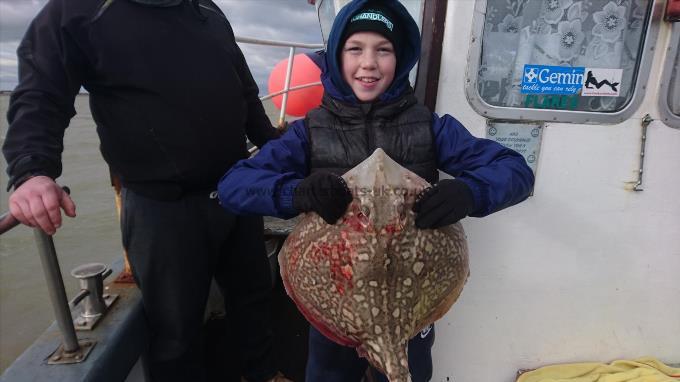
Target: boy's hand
324,193
38,203
445,203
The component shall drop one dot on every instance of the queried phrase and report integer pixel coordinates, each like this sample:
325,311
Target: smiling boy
368,64
368,103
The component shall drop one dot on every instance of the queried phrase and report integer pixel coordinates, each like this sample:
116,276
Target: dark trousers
175,249
330,362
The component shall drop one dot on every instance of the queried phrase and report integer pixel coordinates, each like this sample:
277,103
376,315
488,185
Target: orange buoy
305,71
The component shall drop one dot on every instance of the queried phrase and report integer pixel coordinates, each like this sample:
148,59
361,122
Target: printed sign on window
599,82
543,79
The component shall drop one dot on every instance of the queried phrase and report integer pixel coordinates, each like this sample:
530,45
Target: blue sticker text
543,79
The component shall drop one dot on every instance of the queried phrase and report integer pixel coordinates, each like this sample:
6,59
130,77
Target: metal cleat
96,302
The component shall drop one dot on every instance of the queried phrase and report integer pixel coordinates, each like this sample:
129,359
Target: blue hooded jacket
409,52
264,185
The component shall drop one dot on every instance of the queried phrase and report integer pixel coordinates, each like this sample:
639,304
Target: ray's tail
392,362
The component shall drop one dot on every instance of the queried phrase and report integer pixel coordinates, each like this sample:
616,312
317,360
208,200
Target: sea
92,236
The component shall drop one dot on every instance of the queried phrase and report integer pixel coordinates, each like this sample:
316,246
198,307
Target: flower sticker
510,24
571,37
609,22
553,10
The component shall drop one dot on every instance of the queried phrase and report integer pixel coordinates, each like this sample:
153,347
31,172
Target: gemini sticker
543,79
600,82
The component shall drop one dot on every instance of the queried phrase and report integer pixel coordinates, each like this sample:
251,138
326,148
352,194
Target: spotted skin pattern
373,280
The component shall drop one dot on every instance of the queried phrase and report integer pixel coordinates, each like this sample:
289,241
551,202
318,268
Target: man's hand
324,193
445,203
38,203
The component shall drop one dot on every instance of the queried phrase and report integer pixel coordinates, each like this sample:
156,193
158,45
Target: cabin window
558,59
669,92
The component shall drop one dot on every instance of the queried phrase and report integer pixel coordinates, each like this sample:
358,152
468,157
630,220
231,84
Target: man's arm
497,176
264,184
50,71
258,126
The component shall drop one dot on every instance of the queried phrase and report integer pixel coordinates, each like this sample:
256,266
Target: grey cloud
282,20
295,19
285,20
15,15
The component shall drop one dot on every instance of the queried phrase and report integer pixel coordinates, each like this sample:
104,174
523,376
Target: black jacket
342,135
170,92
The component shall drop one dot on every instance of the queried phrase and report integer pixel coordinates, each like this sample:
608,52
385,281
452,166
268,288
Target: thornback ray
373,280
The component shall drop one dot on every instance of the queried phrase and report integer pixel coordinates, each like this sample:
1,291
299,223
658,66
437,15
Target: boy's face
368,64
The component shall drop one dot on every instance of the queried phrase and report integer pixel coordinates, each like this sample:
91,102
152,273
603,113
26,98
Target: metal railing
289,69
55,284
71,350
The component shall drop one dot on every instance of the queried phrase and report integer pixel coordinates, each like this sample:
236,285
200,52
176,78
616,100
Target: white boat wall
588,268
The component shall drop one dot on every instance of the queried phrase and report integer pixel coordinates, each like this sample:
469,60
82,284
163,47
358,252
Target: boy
368,103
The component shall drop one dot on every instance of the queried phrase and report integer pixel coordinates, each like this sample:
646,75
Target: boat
586,269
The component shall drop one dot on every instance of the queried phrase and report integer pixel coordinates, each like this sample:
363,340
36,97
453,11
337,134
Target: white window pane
603,34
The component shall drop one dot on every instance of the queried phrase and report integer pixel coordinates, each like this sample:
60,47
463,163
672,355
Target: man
173,100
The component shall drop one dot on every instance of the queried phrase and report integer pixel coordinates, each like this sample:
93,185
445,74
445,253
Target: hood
331,75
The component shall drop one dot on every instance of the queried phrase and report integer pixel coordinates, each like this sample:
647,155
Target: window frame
551,115
426,84
666,114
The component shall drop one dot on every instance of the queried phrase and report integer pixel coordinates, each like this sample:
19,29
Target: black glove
445,203
324,193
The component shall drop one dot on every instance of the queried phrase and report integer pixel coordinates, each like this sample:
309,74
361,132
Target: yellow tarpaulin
640,370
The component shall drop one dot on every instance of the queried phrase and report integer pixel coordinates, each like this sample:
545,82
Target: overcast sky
287,20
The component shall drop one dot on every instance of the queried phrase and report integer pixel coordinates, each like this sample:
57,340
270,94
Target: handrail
7,222
71,349
294,88
284,44
286,88
57,292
